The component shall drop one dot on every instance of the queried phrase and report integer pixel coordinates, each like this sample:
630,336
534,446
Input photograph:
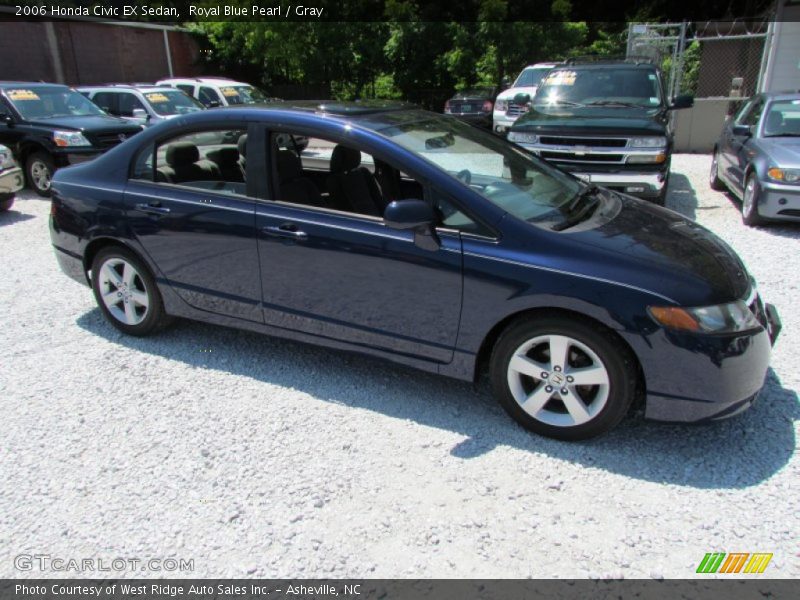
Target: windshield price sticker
22,95
561,78
228,92
156,97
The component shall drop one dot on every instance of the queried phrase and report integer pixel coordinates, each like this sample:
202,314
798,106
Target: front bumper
638,184
779,201
696,378
11,180
501,123
479,119
74,156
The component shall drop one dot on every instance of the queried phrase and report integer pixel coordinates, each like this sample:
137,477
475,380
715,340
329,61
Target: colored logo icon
735,562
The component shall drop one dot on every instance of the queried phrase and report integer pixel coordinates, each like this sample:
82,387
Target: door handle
287,230
154,208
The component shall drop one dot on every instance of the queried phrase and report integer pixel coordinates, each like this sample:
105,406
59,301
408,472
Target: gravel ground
260,457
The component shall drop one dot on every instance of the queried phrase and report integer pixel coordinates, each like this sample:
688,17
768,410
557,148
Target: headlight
501,105
722,318
6,160
647,158
64,139
523,138
784,175
647,142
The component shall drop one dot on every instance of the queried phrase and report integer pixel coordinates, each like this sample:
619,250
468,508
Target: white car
505,110
143,104
11,180
218,91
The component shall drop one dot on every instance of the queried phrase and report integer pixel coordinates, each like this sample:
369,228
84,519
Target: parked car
142,104
218,91
48,126
607,122
473,105
425,241
10,179
506,109
757,158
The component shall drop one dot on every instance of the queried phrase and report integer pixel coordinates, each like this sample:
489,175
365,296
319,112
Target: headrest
224,157
182,153
242,145
344,159
289,165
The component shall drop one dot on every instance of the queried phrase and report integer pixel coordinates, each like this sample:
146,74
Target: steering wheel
465,176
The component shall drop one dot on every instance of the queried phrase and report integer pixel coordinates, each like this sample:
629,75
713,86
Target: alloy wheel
40,174
558,380
748,203
123,291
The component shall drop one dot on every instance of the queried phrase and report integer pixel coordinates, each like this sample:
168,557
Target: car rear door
198,227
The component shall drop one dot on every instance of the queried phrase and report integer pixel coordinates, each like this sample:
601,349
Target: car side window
752,117
211,160
108,101
128,102
207,95
189,89
453,218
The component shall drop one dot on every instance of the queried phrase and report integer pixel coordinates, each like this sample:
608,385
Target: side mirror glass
742,130
140,113
522,99
7,119
682,101
416,215
213,103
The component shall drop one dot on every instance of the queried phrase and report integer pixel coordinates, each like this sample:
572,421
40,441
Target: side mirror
742,130
213,103
7,119
413,214
522,99
140,113
682,101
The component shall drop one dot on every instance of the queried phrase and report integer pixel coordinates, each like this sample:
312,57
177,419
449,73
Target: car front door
739,152
196,220
347,276
10,133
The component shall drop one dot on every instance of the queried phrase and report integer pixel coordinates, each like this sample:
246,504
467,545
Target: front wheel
752,191
714,182
39,169
126,292
563,378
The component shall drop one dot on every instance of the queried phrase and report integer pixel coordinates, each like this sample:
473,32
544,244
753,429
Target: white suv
218,91
505,110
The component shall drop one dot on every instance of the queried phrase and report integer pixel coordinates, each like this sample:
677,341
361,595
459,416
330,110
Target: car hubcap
123,291
558,380
749,194
40,175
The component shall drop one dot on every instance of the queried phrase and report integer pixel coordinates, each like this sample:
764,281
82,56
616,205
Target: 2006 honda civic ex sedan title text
414,237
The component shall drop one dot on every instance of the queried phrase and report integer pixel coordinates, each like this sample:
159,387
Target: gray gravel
259,457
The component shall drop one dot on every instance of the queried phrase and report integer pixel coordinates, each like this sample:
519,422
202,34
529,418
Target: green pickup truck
606,122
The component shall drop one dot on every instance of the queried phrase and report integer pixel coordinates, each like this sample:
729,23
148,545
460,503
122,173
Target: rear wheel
126,292
752,191
714,182
563,378
39,169
6,202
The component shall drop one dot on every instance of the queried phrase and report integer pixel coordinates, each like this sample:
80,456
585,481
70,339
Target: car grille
571,157
581,141
515,110
109,140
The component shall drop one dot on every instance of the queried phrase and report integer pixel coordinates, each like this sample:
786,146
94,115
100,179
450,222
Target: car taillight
447,106
487,106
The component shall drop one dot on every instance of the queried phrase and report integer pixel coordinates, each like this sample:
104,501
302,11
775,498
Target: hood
91,124
784,152
511,92
613,121
663,251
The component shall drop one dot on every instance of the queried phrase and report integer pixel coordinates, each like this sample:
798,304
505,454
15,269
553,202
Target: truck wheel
562,377
6,202
39,169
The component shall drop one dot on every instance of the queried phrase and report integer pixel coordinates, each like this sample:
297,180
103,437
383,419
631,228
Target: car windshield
783,119
35,102
172,102
243,94
530,77
506,175
607,86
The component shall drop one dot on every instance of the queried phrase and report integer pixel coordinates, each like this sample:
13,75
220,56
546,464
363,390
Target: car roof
206,80
133,87
785,95
332,107
12,84
548,65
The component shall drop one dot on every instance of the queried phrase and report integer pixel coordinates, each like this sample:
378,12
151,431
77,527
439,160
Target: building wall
88,53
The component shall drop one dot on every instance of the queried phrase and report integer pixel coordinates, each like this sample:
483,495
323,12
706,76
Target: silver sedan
757,158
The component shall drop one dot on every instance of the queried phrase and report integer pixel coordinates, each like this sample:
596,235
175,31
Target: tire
6,202
566,411
714,182
39,169
750,195
135,306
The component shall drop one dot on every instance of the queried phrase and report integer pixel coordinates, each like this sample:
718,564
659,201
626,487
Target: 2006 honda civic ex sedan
411,236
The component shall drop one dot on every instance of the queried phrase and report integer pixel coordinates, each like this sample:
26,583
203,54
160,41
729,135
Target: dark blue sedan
414,237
